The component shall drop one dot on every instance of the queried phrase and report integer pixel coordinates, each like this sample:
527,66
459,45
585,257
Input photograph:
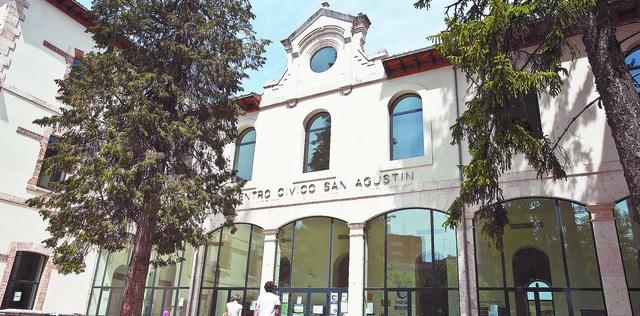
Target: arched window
412,264
232,265
167,287
245,148
629,239
323,59
24,280
546,241
317,143
312,265
407,135
633,62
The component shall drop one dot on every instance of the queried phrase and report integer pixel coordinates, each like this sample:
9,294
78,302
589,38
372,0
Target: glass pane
182,302
93,301
323,59
205,302
318,143
250,302
454,302
445,252
117,268
244,160
629,237
492,303
100,266
319,304
298,303
409,262
340,255
27,266
233,256
398,302
635,302
532,248
579,246
488,259
248,136
104,302
375,252
167,275
423,303
633,61
588,303
255,257
407,135
373,302
221,302
210,273
285,246
311,264
187,266
407,103
157,303
115,301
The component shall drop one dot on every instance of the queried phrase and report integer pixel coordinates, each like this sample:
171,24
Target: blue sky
395,26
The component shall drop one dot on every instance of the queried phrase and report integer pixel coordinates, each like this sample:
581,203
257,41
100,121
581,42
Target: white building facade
350,170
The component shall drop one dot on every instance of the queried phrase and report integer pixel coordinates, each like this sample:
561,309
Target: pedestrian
165,311
234,308
268,301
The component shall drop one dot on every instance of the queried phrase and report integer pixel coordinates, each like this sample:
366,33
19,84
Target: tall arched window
547,265
166,287
407,135
629,239
317,143
245,148
412,264
633,62
232,265
313,266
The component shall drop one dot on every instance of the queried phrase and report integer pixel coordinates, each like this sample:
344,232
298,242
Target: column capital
270,234
602,212
356,229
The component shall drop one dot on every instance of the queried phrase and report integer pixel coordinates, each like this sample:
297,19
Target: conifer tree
145,121
488,40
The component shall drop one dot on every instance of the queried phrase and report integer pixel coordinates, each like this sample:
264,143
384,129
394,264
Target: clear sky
395,26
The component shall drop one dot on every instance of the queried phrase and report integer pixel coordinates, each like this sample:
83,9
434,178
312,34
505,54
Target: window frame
35,285
636,78
392,115
307,132
42,171
315,53
237,152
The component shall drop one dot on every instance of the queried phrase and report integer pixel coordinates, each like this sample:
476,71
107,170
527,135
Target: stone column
356,269
268,256
614,284
467,266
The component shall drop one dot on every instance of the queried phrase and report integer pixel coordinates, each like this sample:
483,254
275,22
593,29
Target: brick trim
5,197
29,133
10,32
27,96
43,285
33,181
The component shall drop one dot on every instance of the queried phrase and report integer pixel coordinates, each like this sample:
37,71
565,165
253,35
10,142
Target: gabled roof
412,62
75,10
320,13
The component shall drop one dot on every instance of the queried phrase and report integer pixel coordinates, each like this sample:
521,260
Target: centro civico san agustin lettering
327,186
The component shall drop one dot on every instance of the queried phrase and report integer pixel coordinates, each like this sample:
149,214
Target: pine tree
146,119
487,40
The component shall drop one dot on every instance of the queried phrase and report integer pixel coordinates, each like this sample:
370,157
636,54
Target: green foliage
491,42
147,116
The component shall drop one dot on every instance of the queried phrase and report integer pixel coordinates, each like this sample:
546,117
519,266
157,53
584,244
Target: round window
323,59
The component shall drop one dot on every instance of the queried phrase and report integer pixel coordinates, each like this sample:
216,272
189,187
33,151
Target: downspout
464,213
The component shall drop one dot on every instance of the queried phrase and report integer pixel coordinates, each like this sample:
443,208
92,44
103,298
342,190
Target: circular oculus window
323,59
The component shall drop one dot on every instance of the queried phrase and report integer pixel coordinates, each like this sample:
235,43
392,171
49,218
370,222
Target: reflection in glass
633,62
407,135
245,149
629,239
548,251
317,143
323,59
418,256
232,265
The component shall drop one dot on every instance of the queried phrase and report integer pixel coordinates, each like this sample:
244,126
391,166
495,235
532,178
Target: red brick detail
58,51
29,133
46,274
44,141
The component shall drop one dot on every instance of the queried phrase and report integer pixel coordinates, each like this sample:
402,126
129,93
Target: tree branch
573,119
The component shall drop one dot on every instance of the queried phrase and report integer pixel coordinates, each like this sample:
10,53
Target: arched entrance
313,266
531,270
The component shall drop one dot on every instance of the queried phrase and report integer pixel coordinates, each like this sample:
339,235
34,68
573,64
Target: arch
332,33
406,127
632,59
244,154
404,208
317,144
547,239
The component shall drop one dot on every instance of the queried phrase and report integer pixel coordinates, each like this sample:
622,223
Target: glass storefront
167,287
312,266
629,239
232,265
548,265
411,265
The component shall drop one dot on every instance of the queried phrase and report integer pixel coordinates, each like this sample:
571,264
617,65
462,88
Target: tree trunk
618,94
138,269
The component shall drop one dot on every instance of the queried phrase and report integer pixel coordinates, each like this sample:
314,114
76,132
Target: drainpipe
464,213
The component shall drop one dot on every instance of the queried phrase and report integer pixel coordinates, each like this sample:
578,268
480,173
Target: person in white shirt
233,307
268,302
